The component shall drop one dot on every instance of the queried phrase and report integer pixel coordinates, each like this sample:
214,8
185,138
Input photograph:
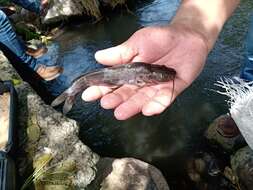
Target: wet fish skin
137,73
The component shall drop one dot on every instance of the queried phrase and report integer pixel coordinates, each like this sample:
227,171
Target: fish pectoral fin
68,104
59,99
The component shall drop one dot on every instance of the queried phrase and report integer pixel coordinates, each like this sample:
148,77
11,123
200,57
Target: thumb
116,55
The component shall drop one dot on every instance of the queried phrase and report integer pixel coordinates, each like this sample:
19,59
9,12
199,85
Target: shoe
9,10
36,53
49,72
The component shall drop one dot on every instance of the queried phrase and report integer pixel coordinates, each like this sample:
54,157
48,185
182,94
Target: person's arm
182,45
205,16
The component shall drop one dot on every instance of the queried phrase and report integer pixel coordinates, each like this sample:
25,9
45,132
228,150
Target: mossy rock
242,165
58,177
33,130
229,144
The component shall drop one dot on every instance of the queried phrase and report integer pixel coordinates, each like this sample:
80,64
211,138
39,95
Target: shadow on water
167,140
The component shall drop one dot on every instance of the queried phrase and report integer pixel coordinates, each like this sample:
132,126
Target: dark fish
138,73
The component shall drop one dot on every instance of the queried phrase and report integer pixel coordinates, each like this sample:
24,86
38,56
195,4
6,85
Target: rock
57,134
126,174
240,95
61,9
242,165
204,170
7,72
203,164
44,134
224,132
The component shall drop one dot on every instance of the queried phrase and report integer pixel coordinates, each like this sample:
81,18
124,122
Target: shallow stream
170,139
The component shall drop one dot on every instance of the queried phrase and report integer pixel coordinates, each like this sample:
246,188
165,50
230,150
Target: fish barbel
137,73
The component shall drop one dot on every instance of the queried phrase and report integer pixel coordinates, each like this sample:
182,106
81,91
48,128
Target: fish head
157,74
162,73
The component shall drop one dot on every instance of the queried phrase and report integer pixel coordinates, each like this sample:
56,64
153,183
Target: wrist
209,36
191,34
205,17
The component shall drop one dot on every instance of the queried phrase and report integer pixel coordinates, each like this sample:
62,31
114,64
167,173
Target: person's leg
14,50
31,5
9,39
8,10
247,69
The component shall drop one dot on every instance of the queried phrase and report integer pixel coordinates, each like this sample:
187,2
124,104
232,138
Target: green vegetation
4,2
26,33
41,163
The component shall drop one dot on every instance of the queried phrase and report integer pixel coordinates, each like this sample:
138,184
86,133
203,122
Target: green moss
16,81
32,136
59,176
26,33
4,2
39,165
33,130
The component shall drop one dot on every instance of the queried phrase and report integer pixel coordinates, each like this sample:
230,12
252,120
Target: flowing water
170,139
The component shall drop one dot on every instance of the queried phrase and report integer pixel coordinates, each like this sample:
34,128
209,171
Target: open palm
173,46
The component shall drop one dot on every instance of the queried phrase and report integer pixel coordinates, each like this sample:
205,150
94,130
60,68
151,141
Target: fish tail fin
59,99
68,104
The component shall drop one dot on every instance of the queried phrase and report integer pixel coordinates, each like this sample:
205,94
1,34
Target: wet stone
126,174
242,165
224,132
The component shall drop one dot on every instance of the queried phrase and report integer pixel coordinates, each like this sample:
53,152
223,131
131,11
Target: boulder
127,173
242,166
62,9
224,133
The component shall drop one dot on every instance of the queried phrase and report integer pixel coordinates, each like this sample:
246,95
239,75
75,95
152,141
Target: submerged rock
241,103
242,165
224,132
126,174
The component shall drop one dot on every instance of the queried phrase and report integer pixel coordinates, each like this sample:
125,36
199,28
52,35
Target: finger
118,96
161,100
116,55
134,104
166,94
95,92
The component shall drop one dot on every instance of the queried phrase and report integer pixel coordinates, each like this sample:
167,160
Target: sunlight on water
158,12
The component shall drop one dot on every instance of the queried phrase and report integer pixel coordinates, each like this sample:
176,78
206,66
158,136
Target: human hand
174,46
